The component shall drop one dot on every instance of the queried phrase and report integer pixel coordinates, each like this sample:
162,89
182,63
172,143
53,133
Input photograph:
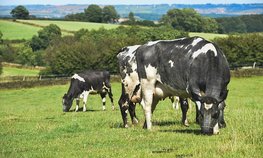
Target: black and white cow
83,84
131,83
187,67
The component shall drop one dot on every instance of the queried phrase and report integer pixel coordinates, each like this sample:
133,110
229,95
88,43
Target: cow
130,78
85,83
189,68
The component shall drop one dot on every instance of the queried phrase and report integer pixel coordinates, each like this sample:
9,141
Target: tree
45,36
93,13
109,14
189,20
20,12
131,17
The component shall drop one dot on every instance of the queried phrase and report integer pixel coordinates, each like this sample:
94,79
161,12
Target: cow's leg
103,97
198,107
111,98
124,109
154,104
85,98
184,108
222,123
147,99
133,116
77,104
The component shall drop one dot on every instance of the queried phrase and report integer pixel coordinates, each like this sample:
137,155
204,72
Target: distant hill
146,12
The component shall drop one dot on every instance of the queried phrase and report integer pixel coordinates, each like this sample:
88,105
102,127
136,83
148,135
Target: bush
97,49
242,49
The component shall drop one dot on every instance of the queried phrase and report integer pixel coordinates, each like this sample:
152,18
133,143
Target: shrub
242,49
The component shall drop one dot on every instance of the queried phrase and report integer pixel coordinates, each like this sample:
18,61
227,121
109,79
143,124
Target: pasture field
208,36
12,71
71,25
32,124
12,30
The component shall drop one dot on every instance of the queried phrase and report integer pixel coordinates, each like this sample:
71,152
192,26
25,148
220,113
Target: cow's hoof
126,126
84,110
113,108
135,121
185,123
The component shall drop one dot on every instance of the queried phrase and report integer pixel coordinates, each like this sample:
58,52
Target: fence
14,82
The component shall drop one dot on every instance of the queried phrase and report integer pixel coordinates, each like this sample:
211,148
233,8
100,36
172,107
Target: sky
114,2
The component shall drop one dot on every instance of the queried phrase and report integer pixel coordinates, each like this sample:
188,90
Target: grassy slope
12,30
12,71
71,25
208,36
32,124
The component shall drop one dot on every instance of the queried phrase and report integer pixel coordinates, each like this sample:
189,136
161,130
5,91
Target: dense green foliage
45,36
20,12
189,20
95,13
242,49
97,49
241,24
33,125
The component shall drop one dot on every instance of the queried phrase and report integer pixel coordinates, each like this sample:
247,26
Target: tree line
186,19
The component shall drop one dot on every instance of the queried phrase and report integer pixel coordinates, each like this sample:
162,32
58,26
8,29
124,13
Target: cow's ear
223,96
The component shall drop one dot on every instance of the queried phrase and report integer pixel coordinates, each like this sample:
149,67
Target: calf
83,84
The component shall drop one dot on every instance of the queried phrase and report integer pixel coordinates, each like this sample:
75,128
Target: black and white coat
86,83
187,67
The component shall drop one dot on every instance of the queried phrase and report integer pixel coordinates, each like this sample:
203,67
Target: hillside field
12,71
13,30
32,124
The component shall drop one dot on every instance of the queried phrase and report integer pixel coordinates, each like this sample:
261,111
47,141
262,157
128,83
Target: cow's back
185,62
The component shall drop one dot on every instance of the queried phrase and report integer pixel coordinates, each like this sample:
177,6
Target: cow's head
209,113
129,74
66,102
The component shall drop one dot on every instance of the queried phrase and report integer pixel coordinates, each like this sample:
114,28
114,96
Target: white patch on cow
151,72
208,106
104,100
198,103
77,77
216,129
150,43
197,40
85,98
132,49
171,62
205,49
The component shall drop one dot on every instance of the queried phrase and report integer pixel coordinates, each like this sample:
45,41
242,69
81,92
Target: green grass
12,71
208,36
12,30
71,25
32,124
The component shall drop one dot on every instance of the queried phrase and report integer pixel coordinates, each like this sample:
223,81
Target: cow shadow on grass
88,110
165,123
184,131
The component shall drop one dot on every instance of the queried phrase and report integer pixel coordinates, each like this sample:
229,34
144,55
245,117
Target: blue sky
63,2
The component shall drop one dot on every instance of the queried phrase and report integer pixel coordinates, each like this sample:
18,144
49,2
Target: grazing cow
130,82
83,84
186,67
